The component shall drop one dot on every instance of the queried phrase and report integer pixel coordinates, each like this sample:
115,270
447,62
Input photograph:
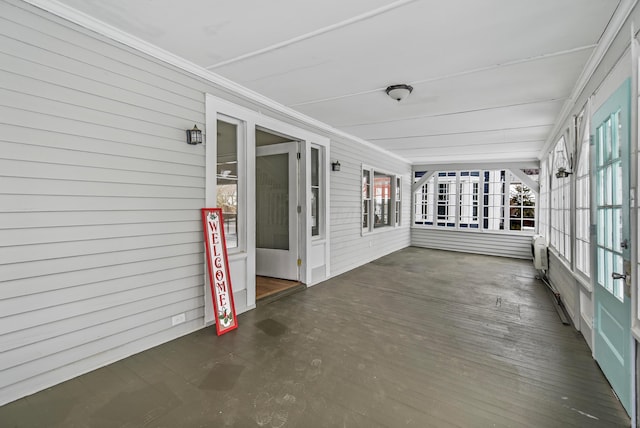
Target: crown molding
89,22
613,29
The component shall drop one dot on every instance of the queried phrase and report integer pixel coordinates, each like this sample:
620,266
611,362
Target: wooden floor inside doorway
266,286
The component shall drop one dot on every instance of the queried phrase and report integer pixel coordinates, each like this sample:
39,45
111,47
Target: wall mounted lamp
563,173
335,166
399,92
563,163
194,136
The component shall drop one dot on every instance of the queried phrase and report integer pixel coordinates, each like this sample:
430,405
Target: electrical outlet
178,319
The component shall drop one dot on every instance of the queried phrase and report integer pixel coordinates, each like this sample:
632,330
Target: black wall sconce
564,165
562,172
335,166
194,136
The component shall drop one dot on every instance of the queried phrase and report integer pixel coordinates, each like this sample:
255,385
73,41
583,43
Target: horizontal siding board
142,300
30,56
27,144
25,220
505,245
68,101
64,302
59,171
61,187
56,251
160,131
44,203
113,147
44,235
109,355
16,52
87,348
34,353
44,283
92,261
106,53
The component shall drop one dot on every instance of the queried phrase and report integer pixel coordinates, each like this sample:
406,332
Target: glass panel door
277,211
612,318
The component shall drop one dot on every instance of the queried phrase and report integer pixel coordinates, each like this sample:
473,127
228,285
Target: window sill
472,230
381,230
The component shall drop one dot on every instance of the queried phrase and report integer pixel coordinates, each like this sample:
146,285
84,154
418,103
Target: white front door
277,211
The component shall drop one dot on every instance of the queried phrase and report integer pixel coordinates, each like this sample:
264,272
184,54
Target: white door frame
242,263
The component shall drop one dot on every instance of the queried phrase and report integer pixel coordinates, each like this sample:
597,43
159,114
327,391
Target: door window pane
227,179
315,191
366,197
382,200
272,201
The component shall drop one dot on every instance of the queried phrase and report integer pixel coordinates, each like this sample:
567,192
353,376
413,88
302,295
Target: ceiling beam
470,166
312,34
456,74
418,184
444,134
526,180
454,113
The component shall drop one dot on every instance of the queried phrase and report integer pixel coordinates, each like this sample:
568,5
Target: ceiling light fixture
399,92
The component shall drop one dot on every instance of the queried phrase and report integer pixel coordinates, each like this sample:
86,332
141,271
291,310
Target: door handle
616,275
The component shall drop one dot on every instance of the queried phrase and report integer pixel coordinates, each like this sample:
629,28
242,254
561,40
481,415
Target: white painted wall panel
495,244
349,247
100,235
562,279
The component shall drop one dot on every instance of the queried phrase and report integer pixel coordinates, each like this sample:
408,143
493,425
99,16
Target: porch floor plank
421,338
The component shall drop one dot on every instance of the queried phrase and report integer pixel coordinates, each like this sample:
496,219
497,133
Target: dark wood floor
419,338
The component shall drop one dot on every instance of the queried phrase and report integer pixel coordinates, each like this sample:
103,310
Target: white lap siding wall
349,246
100,234
100,239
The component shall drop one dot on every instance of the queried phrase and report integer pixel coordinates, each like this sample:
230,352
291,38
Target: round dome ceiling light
399,92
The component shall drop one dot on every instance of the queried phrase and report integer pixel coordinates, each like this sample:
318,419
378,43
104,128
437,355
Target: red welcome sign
218,266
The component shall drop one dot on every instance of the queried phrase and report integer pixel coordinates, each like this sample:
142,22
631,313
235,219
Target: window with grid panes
583,216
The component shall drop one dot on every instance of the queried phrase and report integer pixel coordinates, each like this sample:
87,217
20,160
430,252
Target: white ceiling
490,77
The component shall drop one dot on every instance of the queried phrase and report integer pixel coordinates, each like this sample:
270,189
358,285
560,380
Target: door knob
616,275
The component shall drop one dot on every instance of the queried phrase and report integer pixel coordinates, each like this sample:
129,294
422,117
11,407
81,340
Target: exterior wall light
194,136
335,166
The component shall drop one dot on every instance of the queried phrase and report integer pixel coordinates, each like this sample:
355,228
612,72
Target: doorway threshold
270,289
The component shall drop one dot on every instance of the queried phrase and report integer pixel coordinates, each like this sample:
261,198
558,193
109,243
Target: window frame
560,207
367,206
583,206
320,199
241,197
474,200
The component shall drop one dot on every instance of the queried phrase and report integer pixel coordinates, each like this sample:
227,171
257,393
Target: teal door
612,317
